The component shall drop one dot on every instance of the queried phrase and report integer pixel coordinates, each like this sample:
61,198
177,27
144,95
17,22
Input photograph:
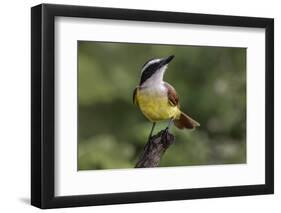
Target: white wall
15,105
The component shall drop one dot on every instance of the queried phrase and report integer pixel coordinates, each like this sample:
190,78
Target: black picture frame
43,94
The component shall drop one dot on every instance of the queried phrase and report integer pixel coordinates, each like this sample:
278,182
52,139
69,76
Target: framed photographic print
140,106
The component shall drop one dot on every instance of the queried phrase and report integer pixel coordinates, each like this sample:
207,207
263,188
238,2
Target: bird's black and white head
153,70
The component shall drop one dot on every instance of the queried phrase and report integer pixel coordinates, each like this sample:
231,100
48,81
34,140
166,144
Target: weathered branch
154,149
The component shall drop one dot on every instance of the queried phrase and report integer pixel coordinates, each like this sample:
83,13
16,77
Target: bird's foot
167,137
167,131
166,134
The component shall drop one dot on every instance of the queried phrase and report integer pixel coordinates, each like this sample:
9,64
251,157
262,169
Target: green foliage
211,84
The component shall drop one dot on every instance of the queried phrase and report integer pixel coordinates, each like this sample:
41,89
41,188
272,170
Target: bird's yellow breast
154,104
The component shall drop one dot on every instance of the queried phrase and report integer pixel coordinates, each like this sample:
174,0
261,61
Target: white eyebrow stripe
149,63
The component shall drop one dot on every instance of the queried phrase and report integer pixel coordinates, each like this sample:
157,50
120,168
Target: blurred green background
211,84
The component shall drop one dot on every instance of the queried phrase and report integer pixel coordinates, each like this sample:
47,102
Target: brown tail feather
185,121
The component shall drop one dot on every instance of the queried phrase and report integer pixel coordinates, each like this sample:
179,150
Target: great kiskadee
157,99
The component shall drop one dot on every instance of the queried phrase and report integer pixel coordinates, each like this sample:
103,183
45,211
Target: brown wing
172,95
134,96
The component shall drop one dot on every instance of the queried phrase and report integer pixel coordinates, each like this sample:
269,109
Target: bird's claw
166,132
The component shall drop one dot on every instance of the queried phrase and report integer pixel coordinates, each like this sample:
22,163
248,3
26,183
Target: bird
157,99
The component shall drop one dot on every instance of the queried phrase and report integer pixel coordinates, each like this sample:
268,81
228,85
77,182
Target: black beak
167,60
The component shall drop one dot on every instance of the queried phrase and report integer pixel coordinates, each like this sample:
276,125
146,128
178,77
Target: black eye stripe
149,71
